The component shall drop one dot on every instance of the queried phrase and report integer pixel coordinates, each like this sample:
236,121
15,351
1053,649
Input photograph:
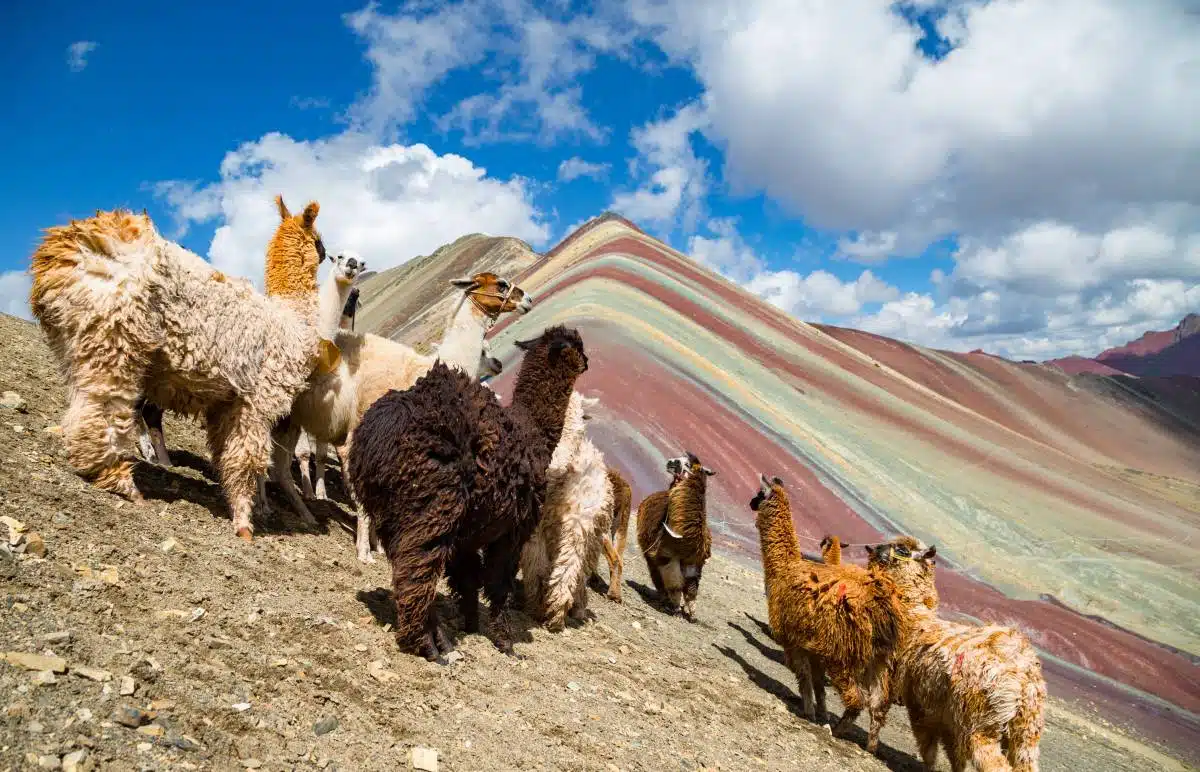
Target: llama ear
707,471
283,210
526,345
928,554
463,282
310,214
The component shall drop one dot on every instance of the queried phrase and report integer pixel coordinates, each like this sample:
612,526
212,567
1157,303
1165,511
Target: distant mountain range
1157,353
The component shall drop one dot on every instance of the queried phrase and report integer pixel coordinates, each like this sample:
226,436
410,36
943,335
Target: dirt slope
292,638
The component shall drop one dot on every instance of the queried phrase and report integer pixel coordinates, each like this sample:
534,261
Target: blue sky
957,173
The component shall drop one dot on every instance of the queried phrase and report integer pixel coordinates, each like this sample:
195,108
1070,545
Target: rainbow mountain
1067,504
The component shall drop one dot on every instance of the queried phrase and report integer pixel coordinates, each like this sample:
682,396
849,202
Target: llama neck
777,535
331,301
462,342
543,396
686,506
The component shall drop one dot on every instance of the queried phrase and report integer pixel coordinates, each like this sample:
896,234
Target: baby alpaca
672,531
446,472
976,689
575,517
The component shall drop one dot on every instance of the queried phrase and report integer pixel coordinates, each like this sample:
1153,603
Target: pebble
77,761
15,529
454,656
92,673
241,707
130,717
44,678
185,743
637,625
13,401
151,730
35,727
325,725
128,686
35,545
62,636
19,429
573,686
425,759
144,747
35,661
251,763
168,544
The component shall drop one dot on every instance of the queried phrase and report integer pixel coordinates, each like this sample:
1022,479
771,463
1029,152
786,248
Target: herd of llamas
446,481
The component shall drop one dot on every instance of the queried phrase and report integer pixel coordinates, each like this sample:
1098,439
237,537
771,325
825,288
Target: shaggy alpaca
575,518
976,689
613,540
446,471
128,312
371,366
843,619
672,531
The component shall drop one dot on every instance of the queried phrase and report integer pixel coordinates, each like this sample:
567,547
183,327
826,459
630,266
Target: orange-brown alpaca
976,689
841,619
291,271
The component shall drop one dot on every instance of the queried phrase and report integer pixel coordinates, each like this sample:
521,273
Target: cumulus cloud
675,179
576,167
14,293
536,59
1055,141
817,296
389,203
77,54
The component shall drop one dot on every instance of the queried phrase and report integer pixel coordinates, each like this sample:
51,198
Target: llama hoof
245,534
365,557
615,598
556,623
828,728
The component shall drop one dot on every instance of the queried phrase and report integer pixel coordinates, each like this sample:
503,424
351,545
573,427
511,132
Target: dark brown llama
446,472
672,531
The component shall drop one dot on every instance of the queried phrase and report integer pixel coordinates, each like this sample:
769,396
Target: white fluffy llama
372,365
128,313
576,515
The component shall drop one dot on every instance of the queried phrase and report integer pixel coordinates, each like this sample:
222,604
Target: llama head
494,295
559,348
768,490
684,467
347,266
298,234
911,565
552,363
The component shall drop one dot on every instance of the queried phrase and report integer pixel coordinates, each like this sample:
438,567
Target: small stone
49,762
279,662
92,673
425,759
196,614
35,727
151,730
637,625
77,761
15,529
325,725
128,686
652,709
612,660
130,717
35,661
19,429
13,401
144,747
44,678
168,544
380,673
35,545
241,707
360,647
251,763
62,636
53,431
454,656
573,686
185,743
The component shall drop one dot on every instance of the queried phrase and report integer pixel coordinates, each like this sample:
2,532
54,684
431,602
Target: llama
128,313
831,551
976,689
371,366
613,540
446,472
575,518
843,619
672,531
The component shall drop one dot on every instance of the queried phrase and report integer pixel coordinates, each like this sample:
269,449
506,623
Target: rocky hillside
149,638
1157,353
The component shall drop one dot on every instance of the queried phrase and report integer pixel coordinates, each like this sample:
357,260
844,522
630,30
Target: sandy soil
183,648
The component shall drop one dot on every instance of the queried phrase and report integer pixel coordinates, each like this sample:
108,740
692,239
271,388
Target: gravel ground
149,637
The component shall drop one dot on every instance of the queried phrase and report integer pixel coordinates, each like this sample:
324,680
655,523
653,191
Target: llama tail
1025,729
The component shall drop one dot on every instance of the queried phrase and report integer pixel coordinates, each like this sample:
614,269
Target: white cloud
77,54
1055,141
576,167
673,191
536,59
389,203
817,296
14,293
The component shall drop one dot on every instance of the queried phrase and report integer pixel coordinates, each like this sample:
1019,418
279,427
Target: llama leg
656,578
304,458
879,705
416,569
463,574
534,567
851,697
500,562
691,588
987,755
319,455
615,569
672,578
798,664
239,440
958,751
579,603
926,737
283,450
565,574
98,431
817,669
152,415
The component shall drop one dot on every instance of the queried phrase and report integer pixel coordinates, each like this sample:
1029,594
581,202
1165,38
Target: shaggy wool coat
676,564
